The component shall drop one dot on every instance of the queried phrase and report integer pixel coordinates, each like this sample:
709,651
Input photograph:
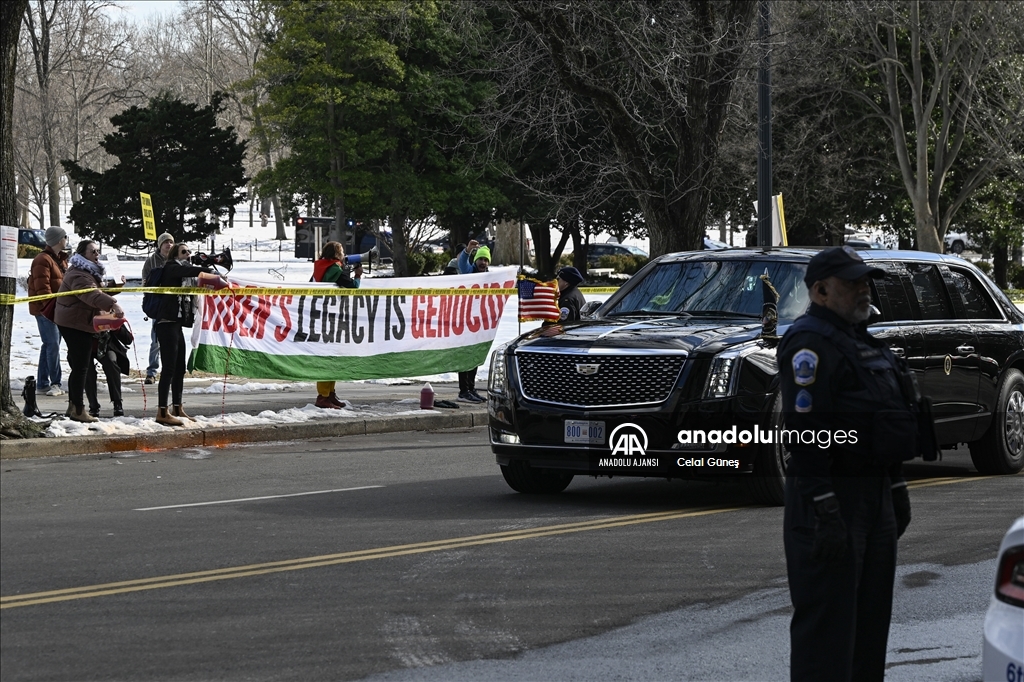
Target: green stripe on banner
416,363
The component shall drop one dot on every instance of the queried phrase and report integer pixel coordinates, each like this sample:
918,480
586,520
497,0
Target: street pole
764,130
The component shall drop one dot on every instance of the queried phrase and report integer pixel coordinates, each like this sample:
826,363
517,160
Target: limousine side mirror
589,308
874,314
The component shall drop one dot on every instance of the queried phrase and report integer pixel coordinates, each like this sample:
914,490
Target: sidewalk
233,415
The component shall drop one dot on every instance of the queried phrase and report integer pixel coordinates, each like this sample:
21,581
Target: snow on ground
120,426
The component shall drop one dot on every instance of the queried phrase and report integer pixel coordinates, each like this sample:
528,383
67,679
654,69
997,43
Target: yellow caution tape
9,299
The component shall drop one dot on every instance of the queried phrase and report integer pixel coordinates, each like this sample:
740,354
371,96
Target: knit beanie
165,237
482,252
54,235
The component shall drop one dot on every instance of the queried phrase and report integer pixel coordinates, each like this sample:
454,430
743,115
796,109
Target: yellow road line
123,587
250,570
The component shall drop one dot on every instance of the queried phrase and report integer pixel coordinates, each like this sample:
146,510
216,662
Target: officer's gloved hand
901,508
829,532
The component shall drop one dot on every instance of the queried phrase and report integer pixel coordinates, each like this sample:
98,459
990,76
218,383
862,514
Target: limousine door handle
898,352
965,350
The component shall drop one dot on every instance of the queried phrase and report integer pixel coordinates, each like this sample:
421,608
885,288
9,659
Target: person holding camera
331,267
176,313
164,244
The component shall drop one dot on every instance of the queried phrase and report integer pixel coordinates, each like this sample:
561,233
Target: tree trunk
541,232
12,423
507,243
399,243
1000,263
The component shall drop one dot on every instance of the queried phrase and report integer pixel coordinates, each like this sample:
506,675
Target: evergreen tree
173,151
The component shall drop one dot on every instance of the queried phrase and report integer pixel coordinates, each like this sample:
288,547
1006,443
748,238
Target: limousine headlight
722,379
497,382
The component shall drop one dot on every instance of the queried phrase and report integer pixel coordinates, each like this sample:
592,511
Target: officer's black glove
901,508
829,532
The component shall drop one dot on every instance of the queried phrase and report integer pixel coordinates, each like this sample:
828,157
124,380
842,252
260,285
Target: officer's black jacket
570,302
842,384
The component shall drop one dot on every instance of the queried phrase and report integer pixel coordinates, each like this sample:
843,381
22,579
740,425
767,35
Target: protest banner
346,334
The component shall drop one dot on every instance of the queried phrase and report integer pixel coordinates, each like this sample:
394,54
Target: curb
226,435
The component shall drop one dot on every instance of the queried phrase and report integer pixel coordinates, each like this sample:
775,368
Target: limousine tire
1001,449
523,478
768,480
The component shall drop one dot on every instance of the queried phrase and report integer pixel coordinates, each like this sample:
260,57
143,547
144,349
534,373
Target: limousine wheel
769,476
1001,449
523,478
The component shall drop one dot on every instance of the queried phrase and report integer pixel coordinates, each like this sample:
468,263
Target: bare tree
659,76
244,25
938,67
12,423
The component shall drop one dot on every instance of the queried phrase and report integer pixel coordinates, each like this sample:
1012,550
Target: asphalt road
405,556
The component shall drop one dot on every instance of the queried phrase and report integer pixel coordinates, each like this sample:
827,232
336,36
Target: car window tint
891,286
977,304
731,286
931,292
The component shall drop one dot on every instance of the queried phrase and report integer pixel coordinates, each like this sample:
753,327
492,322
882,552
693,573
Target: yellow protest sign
148,221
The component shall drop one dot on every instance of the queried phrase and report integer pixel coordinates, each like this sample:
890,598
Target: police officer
570,298
846,498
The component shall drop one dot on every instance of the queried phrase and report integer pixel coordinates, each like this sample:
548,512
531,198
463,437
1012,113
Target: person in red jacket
330,267
45,276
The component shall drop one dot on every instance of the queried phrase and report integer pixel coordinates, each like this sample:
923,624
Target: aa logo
629,440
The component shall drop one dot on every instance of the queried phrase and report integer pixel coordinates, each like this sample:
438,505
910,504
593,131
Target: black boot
118,410
29,394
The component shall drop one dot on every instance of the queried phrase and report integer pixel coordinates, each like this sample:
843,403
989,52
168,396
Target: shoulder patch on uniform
804,402
563,314
805,367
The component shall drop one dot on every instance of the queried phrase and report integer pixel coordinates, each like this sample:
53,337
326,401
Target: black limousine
674,377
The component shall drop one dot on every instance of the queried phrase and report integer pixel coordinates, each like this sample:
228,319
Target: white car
1003,653
957,242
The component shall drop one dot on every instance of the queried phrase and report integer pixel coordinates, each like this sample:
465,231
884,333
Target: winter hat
165,237
54,235
482,252
571,275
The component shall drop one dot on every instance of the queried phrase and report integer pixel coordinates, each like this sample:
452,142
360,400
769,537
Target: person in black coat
570,298
176,313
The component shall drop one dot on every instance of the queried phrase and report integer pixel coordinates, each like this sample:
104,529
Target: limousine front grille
588,380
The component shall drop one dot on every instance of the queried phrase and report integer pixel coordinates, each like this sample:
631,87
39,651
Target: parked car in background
1002,656
595,251
714,245
958,242
32,237
679,349
864,244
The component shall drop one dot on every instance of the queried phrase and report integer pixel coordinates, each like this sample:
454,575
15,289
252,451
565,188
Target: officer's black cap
839,261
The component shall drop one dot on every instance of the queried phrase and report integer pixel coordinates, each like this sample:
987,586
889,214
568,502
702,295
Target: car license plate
591,433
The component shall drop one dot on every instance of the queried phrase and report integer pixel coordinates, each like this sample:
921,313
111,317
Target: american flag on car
538,300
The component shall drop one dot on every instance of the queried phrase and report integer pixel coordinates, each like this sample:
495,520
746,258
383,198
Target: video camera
222,259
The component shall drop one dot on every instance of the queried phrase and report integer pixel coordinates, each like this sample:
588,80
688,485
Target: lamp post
764,129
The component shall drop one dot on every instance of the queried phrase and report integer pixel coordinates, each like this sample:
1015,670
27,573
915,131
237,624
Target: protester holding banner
163,249
176,312
481,261
330,267
73,316
45,276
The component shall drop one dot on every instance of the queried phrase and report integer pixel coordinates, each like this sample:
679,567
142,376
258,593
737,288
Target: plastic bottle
427,397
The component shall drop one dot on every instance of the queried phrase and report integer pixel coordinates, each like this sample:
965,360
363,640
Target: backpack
151,302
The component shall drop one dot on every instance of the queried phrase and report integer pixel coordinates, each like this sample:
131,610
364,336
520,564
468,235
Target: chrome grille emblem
587,369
